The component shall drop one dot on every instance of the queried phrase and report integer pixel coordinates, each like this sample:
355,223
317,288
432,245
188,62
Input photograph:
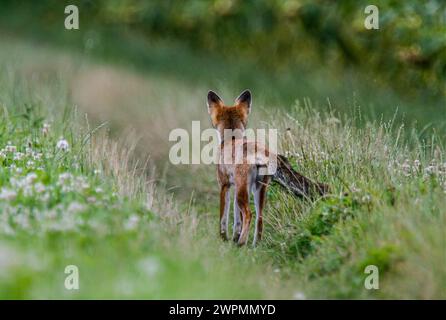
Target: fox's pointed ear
213,101
244,100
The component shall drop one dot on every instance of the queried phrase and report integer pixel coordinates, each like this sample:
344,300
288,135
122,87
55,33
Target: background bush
409,49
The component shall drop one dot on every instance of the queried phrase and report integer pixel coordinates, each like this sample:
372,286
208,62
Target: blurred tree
409,48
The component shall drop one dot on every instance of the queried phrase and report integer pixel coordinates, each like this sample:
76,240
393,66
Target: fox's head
229,118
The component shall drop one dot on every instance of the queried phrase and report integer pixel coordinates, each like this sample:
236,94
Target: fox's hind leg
259,202
242,195
237,229
225,205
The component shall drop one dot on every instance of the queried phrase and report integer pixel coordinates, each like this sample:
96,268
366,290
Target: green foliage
408,50
329,212
383,258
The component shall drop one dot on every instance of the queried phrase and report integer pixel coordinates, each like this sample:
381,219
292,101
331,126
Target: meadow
85,181
85,176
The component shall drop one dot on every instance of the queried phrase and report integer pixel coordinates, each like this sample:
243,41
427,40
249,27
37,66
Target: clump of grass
382,181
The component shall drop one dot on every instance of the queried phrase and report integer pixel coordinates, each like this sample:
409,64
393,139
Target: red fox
245,175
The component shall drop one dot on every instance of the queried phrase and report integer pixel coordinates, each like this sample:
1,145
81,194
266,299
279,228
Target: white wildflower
91,199
366,198
75,207
18,156
7,194
430,170
10,148
37,155
63,145
46,129
39,187
64,177
30,178
417,163
406,167
80,183
132,222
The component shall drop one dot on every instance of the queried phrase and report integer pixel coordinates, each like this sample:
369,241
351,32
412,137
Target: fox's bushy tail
299,185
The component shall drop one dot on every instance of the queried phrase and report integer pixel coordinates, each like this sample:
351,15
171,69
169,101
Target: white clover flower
15,169
39,187
10,148
37,155
18,156
2,154
366,198
429,170
64,177
132,222
91,199
406,167
417,163
63,145
75,207
46,129
7,194
30,178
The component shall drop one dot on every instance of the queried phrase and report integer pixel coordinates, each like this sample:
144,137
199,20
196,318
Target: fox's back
241,159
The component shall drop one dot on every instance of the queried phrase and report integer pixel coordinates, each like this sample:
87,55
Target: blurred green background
282,50
142,68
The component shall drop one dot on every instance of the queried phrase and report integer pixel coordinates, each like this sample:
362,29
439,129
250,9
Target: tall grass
137,240
386,208
92,202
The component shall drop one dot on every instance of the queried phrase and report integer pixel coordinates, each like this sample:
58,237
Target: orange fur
240,173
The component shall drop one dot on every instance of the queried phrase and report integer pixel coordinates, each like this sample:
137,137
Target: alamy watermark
372,280
72,278
72,18
372,20
250,146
